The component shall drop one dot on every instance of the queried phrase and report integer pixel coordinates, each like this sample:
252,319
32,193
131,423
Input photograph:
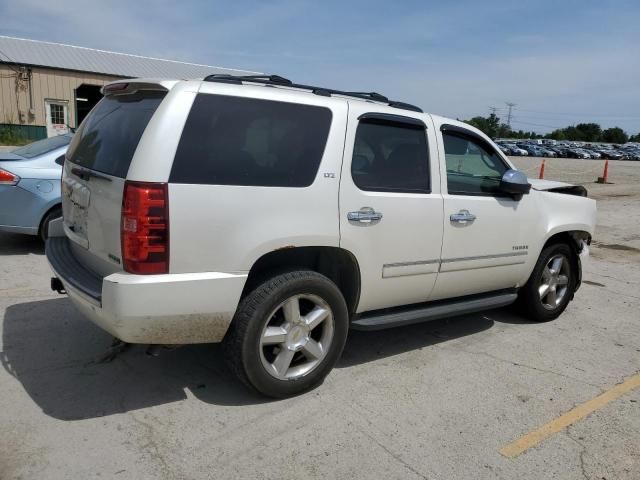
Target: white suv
273,217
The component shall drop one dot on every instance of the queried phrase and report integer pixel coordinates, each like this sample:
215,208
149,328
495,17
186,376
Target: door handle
364,215
463,216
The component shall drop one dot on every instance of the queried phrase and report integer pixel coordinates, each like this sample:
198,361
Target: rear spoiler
127,87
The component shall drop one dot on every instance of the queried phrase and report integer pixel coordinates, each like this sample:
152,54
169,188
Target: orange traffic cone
605,175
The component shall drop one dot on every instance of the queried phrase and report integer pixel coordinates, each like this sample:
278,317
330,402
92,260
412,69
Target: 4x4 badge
329,175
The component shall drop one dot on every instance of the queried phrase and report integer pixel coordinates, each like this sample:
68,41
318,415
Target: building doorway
86,98
57,117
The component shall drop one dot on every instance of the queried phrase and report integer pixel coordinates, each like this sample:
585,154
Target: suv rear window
246,141
109,136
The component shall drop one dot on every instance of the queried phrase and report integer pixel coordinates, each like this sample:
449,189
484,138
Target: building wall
46,83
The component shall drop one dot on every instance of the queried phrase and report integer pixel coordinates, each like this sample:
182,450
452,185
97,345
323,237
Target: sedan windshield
43,146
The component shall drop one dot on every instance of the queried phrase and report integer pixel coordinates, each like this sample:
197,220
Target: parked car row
571,150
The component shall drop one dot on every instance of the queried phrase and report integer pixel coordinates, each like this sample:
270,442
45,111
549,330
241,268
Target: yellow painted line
563,421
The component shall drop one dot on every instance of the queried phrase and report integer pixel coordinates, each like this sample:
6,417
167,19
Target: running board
425,312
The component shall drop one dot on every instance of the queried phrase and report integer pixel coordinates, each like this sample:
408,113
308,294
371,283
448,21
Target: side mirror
60,160
515,183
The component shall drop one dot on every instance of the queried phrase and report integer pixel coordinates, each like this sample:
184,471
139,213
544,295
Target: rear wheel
551,285
288,333
55,212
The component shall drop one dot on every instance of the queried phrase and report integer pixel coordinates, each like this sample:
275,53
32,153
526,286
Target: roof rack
278,81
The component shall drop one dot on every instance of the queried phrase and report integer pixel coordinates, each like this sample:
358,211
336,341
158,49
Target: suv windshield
107,139
41,147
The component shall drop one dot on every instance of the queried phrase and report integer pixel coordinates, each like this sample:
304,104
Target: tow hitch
57,286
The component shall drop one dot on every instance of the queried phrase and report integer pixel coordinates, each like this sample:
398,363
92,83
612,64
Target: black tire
530,304
55,212
243,350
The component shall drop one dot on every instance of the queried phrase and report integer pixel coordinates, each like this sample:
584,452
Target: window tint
107,139
245,141
472,168
43,146
390,157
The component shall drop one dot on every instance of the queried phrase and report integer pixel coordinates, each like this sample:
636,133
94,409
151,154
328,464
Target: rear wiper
87,174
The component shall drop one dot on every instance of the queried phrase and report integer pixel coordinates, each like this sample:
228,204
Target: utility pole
510,105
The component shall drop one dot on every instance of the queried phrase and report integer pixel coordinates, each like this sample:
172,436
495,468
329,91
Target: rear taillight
8,178
144,230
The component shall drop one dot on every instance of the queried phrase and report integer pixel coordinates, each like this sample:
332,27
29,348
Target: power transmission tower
510,105
493,110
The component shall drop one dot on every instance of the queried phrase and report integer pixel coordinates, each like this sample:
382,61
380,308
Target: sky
561,62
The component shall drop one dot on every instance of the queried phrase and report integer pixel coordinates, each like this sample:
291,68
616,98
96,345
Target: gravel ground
583,172
435,401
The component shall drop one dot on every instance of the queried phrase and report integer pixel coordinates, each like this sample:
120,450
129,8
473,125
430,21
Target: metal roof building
47,88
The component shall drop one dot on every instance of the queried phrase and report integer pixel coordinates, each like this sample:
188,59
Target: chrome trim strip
484,257
409,264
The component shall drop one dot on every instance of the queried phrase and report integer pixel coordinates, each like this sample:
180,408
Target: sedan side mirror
515,183
60,160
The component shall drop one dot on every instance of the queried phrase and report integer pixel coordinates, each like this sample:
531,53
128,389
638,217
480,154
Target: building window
57,114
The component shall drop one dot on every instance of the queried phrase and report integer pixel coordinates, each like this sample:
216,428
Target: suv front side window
473,168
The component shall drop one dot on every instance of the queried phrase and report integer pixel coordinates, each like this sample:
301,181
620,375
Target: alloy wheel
554,283
296,337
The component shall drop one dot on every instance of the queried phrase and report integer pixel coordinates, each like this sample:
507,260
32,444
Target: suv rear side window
109,136
472,167
390,157
246,141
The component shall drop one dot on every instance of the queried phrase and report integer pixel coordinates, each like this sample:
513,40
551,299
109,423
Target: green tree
504,131
582,132
614,135
558,134
590,132
490,125
572,133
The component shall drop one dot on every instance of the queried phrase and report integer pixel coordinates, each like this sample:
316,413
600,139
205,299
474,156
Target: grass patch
11,136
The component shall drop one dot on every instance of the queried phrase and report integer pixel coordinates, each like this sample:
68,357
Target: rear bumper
155,309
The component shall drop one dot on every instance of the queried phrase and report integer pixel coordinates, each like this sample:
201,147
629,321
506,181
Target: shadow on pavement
53,352
16,244
365,347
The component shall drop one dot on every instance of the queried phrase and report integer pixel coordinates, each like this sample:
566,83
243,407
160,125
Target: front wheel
288,333
551,285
